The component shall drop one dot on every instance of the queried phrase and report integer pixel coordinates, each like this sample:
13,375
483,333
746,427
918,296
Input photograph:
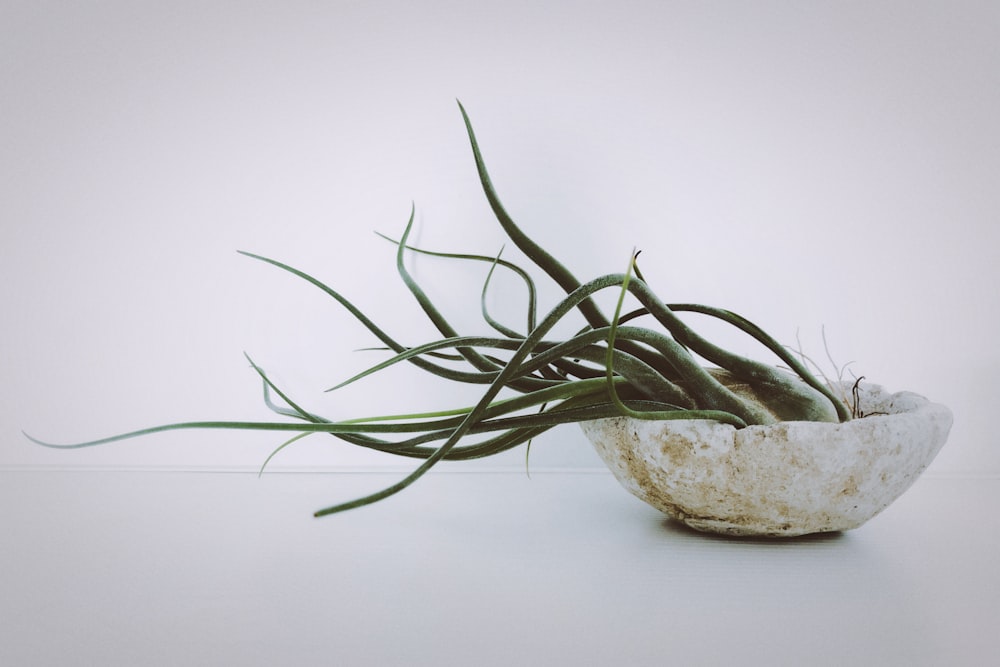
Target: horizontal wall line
276,470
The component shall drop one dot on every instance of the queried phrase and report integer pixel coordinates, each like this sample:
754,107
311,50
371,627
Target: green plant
609,368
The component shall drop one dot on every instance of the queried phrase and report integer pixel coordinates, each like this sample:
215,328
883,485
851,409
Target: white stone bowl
784,479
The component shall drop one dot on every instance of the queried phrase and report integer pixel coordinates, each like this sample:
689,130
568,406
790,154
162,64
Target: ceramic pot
784,479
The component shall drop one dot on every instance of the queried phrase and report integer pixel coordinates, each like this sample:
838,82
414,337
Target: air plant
611,367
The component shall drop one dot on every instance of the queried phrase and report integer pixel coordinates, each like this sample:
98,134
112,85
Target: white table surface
189,568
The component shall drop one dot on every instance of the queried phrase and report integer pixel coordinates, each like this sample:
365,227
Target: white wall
806,164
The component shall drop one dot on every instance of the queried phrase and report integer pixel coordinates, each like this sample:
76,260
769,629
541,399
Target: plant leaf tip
42,443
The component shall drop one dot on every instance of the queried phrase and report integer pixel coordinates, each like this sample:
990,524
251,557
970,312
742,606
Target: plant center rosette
720,441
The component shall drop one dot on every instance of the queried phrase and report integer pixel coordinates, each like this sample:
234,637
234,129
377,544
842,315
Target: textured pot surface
784,479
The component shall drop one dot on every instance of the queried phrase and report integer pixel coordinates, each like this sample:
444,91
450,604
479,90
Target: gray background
810,165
